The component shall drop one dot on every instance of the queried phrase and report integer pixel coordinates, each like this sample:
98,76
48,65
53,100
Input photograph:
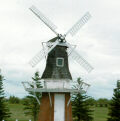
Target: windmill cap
53,40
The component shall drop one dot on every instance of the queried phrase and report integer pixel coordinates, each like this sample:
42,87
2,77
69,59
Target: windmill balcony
66,87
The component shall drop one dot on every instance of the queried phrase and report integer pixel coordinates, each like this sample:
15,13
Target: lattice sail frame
44,19
76,27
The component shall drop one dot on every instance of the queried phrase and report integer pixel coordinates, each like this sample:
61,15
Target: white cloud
21,34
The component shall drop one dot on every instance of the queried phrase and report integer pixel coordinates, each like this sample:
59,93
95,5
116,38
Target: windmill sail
41,54
79,24
38,57
43,19
79,59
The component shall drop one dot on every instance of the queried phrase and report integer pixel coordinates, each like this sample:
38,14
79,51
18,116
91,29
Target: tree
14,100
91,101
103,102
81,108
31,105
4,111
114,109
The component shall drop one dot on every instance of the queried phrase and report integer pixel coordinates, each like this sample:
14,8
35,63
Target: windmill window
60,62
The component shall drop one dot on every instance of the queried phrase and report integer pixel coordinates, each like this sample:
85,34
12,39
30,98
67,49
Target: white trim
56,80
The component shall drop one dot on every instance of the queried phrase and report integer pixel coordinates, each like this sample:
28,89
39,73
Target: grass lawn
99,114
17,113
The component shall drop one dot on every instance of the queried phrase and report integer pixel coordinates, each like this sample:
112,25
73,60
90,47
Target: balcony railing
73,88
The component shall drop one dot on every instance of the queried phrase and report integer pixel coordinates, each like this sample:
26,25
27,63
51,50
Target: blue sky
21,34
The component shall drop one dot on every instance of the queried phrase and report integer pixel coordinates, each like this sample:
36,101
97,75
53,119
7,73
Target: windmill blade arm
43,19
54,45
76,27
79,59
37,58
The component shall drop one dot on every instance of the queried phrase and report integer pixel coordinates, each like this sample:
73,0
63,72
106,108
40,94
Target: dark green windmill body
57,64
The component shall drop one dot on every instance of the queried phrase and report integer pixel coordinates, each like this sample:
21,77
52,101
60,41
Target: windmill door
59,107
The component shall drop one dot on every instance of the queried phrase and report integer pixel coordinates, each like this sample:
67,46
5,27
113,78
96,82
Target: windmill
56,76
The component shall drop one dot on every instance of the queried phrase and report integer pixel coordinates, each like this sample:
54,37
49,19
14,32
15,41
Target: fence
18,120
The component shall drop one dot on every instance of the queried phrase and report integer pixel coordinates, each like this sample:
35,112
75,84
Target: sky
21,35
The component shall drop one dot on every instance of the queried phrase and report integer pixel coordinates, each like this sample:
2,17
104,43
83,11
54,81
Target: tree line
101,102
81,103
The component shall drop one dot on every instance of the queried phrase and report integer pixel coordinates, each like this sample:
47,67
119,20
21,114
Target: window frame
57,59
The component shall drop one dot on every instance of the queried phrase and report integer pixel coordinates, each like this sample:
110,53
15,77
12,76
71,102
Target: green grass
99,114
17,113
